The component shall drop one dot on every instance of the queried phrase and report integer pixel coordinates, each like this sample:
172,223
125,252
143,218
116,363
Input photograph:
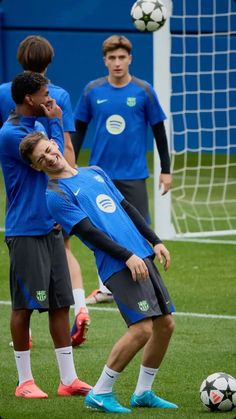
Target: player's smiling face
118,62
47,157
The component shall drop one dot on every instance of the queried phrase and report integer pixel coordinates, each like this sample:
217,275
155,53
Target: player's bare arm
165,182
137,267
69,150
162,254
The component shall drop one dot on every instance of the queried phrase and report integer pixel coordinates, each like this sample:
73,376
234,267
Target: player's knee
21,317
143,331
167,324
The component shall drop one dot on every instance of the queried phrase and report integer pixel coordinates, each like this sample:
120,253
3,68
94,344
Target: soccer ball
148,15
218,392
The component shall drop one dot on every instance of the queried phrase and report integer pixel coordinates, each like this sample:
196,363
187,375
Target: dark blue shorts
39,274
135,192
139,300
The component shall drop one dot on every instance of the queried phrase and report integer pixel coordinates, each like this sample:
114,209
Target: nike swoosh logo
65,353
149,373
101,101
96,401
111,376
76,193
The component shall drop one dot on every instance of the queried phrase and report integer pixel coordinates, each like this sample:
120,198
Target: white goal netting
202,119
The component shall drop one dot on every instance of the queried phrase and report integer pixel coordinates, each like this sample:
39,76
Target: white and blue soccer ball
148,15
218,392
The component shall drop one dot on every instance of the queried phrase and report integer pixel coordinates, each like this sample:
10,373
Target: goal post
162,84
195,79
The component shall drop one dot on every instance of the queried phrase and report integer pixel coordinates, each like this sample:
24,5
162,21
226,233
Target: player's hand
165,182
163,255
52,110
138,268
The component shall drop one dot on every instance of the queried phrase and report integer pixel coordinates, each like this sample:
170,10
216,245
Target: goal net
197,48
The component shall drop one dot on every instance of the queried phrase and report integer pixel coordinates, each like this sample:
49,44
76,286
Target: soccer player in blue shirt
121,107
39,275
35,53
87,203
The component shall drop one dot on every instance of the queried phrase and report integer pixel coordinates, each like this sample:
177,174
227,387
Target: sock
102,287
23,365
66,365
106,381
145,379
79,297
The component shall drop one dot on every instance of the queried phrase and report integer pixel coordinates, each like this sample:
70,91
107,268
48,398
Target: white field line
181,314
199,240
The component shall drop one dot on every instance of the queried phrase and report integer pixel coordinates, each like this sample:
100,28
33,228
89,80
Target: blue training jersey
120,117
61,96
90,193
26,213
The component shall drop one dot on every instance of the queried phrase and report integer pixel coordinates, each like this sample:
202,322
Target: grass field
201,280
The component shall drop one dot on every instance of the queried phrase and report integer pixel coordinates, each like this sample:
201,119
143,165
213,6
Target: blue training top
90,193
61,96
121,116
26,213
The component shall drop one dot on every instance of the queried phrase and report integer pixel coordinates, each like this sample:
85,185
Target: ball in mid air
148,15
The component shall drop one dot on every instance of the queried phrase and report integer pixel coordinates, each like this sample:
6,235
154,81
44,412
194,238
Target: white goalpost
162,83
195,78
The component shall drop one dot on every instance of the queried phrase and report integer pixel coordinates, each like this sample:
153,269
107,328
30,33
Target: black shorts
135,192
39,274
139,300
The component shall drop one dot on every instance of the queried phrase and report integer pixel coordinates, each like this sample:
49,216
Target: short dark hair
114,42
35,53
28,144
26,83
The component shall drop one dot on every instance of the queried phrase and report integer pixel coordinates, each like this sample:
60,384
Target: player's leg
59,327
100,295
20,321
101,397
82,320
157,345
60,299
128,294
135,192
155,348
24,276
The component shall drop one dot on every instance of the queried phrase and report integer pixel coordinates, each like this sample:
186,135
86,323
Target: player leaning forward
86,203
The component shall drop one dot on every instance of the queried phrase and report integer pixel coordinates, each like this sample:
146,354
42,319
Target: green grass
201,279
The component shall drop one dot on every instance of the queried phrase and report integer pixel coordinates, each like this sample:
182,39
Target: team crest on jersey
143,305
99,178
41,295
131,101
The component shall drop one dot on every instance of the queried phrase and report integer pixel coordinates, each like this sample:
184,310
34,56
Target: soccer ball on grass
218,392
148,15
